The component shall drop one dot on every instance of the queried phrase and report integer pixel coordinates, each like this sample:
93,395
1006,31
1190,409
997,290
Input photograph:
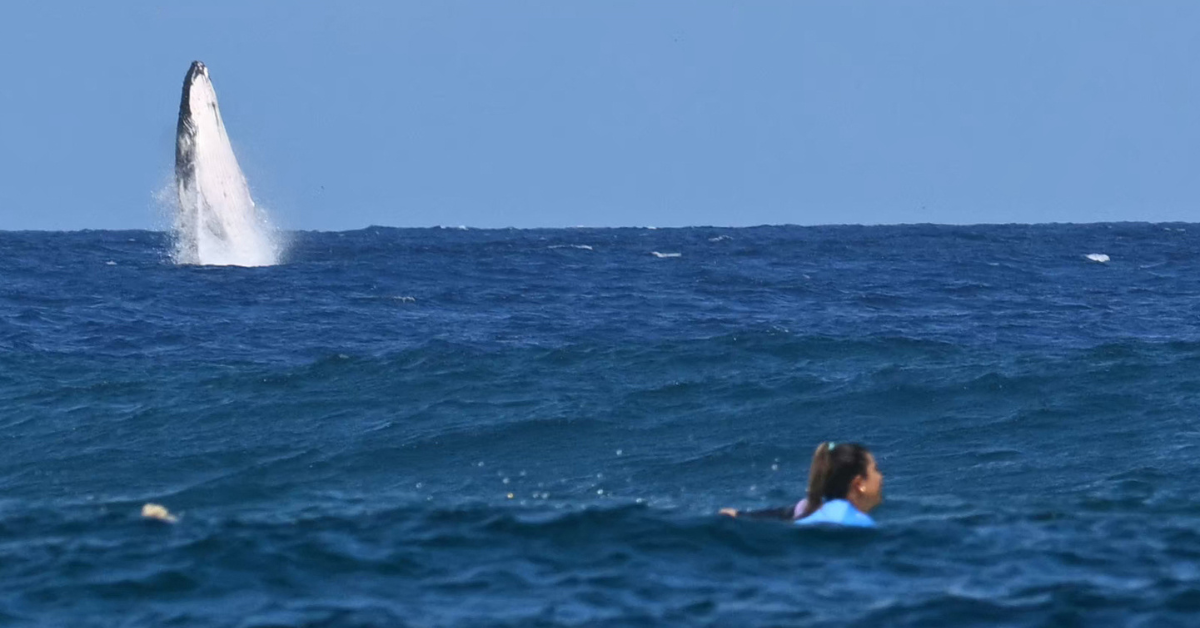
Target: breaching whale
216,222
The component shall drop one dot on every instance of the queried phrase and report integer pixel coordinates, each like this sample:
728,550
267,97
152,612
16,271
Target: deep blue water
340,434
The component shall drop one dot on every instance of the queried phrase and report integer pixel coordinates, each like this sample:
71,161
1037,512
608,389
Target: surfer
844,484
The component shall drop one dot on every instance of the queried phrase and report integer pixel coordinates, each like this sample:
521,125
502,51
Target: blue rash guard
838,512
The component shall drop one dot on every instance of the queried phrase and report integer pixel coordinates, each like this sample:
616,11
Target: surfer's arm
783,513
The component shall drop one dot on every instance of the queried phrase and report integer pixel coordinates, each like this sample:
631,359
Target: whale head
197,69
197,106
196,79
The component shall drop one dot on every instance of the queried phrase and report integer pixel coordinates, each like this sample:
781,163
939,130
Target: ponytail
833,470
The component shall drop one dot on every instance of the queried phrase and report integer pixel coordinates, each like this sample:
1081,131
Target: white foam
582,247
662,255
720,238
1097,257
217,222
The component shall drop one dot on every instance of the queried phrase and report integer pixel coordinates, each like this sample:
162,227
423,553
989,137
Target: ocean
460,427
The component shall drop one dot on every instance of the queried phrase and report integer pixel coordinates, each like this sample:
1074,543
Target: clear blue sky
609,113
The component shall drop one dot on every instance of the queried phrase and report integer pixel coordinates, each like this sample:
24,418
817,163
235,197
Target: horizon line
657,228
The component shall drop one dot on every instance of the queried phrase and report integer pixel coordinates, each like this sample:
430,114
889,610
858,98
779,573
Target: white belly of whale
217,222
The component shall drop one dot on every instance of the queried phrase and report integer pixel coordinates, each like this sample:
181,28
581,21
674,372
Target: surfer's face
869,486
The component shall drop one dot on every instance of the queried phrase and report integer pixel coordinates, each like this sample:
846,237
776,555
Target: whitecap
582,247
720,238
662,255
1097,257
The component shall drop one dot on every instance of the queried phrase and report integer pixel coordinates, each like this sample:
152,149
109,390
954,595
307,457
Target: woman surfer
844,484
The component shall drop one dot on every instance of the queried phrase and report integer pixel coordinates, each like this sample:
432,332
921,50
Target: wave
532,442
600,565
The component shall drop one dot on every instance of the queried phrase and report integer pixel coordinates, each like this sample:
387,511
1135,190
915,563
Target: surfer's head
843,471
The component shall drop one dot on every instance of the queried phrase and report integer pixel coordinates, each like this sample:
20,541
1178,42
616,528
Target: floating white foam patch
217,222
158,513
657,254
1097,257
582,247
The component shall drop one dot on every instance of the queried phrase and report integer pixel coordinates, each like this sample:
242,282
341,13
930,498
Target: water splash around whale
216,221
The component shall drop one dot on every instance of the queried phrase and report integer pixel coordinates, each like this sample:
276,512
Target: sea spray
216,221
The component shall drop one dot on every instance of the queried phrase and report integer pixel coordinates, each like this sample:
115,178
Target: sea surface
445,427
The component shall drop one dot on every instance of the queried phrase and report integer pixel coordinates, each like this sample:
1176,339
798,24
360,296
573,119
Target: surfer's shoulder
838,512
